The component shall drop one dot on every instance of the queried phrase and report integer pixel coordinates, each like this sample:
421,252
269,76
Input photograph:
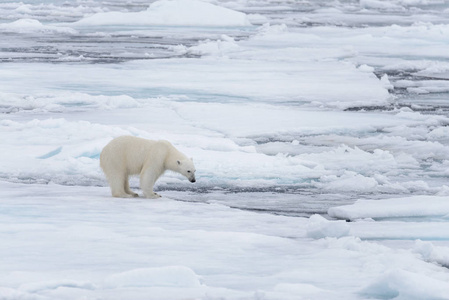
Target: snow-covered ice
77,242
172,13
319,131
415,206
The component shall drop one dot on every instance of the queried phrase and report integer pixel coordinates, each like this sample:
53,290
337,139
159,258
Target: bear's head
186,168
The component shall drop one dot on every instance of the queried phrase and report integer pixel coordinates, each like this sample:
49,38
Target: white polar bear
129,155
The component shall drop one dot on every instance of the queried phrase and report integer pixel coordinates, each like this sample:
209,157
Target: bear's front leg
147,180
155,195
151,195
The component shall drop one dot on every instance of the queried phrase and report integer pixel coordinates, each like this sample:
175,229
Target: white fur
128,155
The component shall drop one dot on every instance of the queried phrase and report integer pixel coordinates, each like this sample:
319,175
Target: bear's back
130,153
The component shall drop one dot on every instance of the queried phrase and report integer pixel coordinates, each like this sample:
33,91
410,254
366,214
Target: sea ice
326,103
399,284
413,206
75,242
171,276
319,227
172,13
432,253
31,25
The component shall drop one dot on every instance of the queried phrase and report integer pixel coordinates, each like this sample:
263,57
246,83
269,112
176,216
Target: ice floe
171,12
414,206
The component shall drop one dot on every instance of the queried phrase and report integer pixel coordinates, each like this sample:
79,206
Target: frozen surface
172,12
297,113
416,206
77,242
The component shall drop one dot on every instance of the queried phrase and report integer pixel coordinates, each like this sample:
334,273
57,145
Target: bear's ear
179,163
191,159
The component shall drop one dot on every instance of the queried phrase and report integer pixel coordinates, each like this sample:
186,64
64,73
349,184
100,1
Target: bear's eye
188,171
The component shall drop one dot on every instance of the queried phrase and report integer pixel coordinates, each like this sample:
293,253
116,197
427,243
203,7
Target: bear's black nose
192,180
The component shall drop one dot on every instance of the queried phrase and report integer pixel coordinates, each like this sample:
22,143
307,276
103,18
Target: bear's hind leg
128,190
117,185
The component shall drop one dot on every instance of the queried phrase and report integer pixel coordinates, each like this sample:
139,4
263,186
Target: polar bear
129,155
